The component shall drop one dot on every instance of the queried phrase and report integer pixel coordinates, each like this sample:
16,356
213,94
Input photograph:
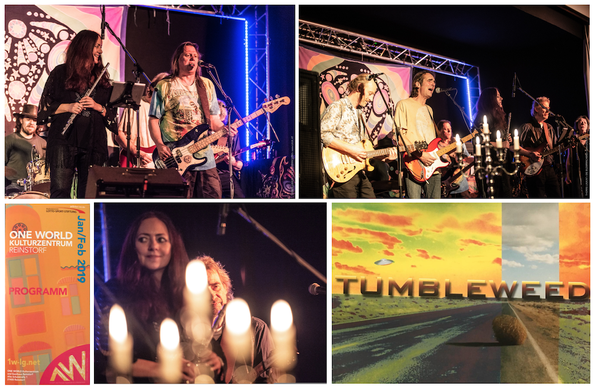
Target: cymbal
9,171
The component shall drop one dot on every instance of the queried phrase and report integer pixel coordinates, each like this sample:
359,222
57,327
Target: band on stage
540,160
50,153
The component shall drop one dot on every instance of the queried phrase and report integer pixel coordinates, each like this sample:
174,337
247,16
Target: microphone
440,90
102,22
514,84
222,223
315,289
374,75
203,64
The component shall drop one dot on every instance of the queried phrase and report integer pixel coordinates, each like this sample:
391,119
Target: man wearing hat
19,145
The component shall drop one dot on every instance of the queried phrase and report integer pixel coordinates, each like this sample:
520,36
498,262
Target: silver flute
71,119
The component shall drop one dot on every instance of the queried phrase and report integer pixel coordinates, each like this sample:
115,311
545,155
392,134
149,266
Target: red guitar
124,158
422,173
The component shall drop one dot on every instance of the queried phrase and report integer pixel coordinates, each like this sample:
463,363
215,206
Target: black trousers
66,160
357,187
544,185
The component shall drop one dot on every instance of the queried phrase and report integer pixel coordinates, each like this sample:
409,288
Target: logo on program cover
19,227
69,368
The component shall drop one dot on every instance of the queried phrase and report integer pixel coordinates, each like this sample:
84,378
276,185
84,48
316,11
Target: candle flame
498,134
117,324
516,133
457,138
238,316
169,335
196,276
281,316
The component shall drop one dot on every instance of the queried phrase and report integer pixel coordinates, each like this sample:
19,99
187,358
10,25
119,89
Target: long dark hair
151,302
81,69
488,105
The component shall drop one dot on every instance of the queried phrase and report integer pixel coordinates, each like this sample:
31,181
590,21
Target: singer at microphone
180,104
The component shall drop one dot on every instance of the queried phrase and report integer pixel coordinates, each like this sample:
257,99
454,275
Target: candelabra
490,167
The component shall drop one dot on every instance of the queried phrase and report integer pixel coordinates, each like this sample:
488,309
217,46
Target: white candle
238,322
516,140
459,145
486,129
120,343
197,295
283,333
477,147
169,352
498,140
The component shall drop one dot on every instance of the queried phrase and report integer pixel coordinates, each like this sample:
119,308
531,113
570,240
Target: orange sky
575,244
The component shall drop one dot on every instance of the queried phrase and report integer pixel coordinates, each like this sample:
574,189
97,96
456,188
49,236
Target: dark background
500,40
260,271
221,43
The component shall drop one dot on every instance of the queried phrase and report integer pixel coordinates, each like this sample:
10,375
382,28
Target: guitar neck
449,148
378,152
559,148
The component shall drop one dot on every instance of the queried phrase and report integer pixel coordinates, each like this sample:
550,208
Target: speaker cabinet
311,171
111,182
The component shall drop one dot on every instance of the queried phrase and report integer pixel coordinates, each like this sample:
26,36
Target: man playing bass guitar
181,102
343,130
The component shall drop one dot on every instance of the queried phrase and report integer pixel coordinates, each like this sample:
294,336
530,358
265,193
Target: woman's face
499,99
97,51
153,245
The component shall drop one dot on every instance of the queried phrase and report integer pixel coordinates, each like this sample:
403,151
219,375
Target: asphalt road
447,346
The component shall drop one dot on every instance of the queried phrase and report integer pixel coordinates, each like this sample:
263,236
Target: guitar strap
362,125
204,100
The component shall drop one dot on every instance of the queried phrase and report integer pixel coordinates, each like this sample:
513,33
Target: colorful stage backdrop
35,39
415,292
335,74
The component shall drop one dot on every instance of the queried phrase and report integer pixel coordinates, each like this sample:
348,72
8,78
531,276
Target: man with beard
222,360
19,145
343,129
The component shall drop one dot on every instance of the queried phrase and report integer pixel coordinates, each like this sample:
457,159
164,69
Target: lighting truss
330,37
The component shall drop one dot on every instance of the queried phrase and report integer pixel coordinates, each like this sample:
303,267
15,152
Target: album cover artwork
47,298
461,293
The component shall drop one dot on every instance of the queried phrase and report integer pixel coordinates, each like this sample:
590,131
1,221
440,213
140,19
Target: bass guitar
341,167
182,156
453,182
222,151
532,168
420,172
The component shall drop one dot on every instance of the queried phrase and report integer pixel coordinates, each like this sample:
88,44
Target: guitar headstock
273,105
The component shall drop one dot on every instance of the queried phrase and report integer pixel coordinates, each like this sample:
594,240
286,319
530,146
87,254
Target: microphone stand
244,214
138,72
462,110
398,136
231,107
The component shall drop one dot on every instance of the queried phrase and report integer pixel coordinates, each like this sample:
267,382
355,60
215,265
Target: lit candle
477,147
120,343
283,333
516,140
486,130
459,145
198,298
498,140
238,335
169,352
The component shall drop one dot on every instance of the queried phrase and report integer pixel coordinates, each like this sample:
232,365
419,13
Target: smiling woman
149,287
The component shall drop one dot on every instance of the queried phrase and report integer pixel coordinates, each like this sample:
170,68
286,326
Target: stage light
469,107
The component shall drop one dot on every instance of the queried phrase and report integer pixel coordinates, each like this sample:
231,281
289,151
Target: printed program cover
47,294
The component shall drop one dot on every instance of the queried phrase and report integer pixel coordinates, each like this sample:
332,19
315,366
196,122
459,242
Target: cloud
497,260
413,266
531,255
388,253
341,245
467,242
423,253
360,269
410,232
371,235
511,264
366,216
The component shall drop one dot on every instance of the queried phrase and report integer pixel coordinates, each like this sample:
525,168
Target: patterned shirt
340,121
179,110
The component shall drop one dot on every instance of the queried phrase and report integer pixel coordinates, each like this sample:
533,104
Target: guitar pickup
178,156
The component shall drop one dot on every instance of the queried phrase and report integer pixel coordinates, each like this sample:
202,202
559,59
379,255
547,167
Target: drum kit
37,183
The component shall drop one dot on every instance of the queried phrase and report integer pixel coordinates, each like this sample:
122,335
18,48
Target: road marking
548,367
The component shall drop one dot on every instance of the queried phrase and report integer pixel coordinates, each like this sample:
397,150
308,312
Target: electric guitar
453,182
182,151
341,167
221,151
124,158
532,168
420,172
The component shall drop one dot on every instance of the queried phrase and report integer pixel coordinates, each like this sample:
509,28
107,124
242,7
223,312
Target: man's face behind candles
153,245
